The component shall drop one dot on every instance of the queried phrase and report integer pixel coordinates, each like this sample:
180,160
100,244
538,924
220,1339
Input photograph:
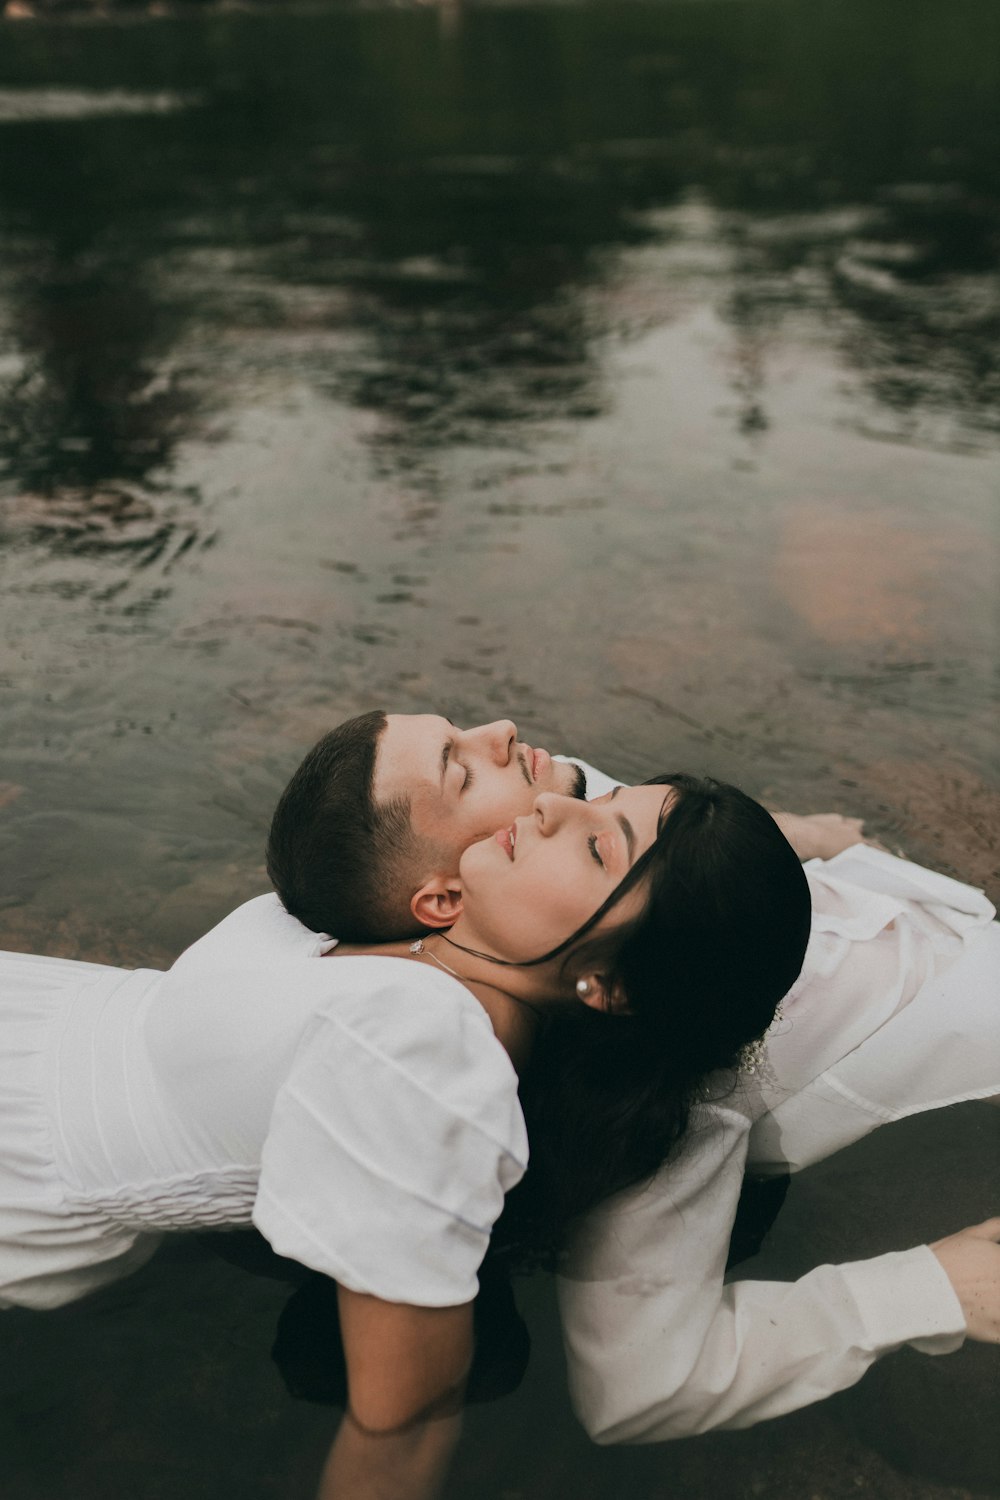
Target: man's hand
821,835
971,1260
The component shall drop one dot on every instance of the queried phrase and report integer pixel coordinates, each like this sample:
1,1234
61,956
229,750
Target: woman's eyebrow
626,827
446,750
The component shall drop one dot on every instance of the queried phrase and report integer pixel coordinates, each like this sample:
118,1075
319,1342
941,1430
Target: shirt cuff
906,1298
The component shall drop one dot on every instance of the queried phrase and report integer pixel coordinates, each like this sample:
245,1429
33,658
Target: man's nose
500,738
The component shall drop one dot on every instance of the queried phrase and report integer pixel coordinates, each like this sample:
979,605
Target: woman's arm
659,1346
406,1371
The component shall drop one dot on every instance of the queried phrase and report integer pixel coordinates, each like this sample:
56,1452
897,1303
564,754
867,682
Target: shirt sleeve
659,1346
394,1140
959,909
260,931
882,929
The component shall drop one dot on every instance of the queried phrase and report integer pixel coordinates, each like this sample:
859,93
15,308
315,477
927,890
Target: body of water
631,369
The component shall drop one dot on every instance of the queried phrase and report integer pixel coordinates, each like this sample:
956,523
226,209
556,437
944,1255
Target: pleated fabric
51,1249
361,1110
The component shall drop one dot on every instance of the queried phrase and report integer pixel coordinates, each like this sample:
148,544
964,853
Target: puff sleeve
260,931
394,1138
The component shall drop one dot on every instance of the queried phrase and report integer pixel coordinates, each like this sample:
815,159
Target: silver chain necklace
419,950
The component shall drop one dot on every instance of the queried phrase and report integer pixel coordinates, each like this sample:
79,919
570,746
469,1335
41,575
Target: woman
366,1116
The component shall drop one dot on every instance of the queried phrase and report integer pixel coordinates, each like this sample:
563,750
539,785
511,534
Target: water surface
633,369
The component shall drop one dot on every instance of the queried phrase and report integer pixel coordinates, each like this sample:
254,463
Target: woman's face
531,885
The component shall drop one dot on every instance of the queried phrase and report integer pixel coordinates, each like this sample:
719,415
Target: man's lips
534,763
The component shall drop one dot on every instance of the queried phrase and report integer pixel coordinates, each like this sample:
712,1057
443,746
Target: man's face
463,784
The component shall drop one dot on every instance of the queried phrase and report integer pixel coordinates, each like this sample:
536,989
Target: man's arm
811,835
820,835
660,1347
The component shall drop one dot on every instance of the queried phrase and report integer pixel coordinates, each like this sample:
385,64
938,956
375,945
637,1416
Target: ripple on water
23,105
141,529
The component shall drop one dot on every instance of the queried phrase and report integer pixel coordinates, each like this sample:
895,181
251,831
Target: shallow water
631,369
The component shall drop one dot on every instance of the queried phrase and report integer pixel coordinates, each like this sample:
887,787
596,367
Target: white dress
359,1111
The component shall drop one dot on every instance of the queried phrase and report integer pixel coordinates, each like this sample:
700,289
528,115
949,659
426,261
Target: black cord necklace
420,950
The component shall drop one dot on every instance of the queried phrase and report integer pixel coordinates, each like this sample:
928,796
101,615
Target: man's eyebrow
629,833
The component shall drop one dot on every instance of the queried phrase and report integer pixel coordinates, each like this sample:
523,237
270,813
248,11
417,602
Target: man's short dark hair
340,862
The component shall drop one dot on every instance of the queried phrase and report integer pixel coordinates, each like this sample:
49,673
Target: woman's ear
593,990
438,902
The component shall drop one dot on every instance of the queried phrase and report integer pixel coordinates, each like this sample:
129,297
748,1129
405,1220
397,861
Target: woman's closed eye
592,846
469,778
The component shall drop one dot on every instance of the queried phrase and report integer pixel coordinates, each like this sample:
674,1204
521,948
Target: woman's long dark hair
693,979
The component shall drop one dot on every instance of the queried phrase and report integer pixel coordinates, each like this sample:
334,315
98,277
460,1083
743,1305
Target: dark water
633,369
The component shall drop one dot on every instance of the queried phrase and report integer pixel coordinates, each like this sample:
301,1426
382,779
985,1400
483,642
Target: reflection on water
633,369
79,104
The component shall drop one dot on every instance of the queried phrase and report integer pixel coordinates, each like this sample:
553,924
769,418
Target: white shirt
658,1345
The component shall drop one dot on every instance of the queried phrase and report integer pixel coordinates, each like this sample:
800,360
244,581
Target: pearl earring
583,987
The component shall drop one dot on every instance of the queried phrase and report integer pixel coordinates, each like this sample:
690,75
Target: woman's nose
550,810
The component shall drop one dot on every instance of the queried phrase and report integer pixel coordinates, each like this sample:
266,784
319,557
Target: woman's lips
505,838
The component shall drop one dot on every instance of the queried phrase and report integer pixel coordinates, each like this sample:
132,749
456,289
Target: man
366,842
369,831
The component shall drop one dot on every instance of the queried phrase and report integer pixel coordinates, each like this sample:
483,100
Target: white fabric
894,1013
259,931
659,1347
374,1091
883,931
396,1103
897,1011
42,1242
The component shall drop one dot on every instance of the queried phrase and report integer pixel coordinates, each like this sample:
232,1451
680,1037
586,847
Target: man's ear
593,990
438,902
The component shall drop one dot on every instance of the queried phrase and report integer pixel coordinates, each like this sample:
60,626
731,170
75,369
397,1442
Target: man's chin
575,782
